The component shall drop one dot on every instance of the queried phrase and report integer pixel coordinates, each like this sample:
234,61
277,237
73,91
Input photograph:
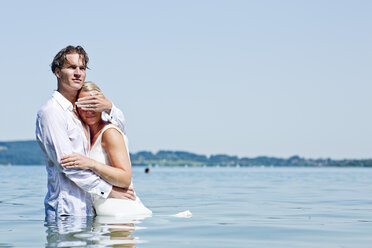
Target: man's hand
96,102
122,193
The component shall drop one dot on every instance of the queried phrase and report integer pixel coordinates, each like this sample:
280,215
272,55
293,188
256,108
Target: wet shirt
59,133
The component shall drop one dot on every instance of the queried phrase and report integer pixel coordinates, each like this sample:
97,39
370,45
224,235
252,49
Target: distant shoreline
28,153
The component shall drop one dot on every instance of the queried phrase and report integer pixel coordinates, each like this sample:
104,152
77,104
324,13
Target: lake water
231,207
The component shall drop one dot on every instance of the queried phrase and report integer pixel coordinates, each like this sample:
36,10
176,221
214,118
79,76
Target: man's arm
78,161
51,131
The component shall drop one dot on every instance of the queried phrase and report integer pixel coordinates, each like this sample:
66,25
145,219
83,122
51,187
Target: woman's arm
120,173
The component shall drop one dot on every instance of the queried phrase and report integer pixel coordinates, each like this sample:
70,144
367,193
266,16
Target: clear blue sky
245,78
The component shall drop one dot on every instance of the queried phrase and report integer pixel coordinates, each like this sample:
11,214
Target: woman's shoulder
112,134
110,127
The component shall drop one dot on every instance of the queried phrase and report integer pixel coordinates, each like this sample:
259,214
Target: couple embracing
82,136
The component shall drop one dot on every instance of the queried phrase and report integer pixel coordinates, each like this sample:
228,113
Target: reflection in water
98,231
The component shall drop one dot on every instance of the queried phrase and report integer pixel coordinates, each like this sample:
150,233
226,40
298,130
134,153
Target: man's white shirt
59,133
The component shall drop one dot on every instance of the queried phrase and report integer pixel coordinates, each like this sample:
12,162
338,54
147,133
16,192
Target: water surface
232,207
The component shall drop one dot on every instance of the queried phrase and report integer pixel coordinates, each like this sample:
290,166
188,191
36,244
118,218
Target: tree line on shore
29,153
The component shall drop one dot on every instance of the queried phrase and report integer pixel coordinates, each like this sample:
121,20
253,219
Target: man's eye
82,68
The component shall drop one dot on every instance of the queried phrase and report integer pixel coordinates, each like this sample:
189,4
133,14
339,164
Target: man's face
72,75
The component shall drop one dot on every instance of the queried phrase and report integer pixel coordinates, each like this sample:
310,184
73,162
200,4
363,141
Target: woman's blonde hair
89,86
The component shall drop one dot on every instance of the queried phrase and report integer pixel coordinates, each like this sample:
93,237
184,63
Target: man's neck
69,95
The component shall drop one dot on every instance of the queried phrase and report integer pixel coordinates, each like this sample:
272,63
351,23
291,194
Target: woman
108,158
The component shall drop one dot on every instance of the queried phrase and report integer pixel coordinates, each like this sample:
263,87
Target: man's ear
57,72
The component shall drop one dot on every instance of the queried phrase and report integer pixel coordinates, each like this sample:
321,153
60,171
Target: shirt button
102,193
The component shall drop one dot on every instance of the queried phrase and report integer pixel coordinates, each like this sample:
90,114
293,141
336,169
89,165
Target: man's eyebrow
66,64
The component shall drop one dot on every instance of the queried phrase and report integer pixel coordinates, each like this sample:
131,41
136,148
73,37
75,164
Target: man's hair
60,59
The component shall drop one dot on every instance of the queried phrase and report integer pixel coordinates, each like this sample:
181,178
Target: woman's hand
77,161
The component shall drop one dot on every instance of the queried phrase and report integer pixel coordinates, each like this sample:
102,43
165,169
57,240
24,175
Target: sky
245,78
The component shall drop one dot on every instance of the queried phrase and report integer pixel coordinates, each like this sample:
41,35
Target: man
60,132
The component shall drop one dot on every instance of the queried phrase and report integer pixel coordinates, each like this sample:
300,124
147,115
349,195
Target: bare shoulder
112,137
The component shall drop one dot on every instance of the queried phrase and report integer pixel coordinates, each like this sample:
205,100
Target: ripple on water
245,207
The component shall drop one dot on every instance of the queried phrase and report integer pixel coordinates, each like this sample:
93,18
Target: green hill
21,152
29,153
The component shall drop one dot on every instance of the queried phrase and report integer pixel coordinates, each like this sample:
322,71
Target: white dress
112,206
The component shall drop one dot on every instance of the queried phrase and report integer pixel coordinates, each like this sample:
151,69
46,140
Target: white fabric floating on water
121,208
184,214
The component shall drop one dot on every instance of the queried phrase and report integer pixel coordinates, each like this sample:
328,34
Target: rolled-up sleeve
116,117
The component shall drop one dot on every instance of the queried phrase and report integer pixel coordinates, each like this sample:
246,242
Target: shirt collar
61,100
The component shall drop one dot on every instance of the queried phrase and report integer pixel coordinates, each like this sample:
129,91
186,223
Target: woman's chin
90,123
